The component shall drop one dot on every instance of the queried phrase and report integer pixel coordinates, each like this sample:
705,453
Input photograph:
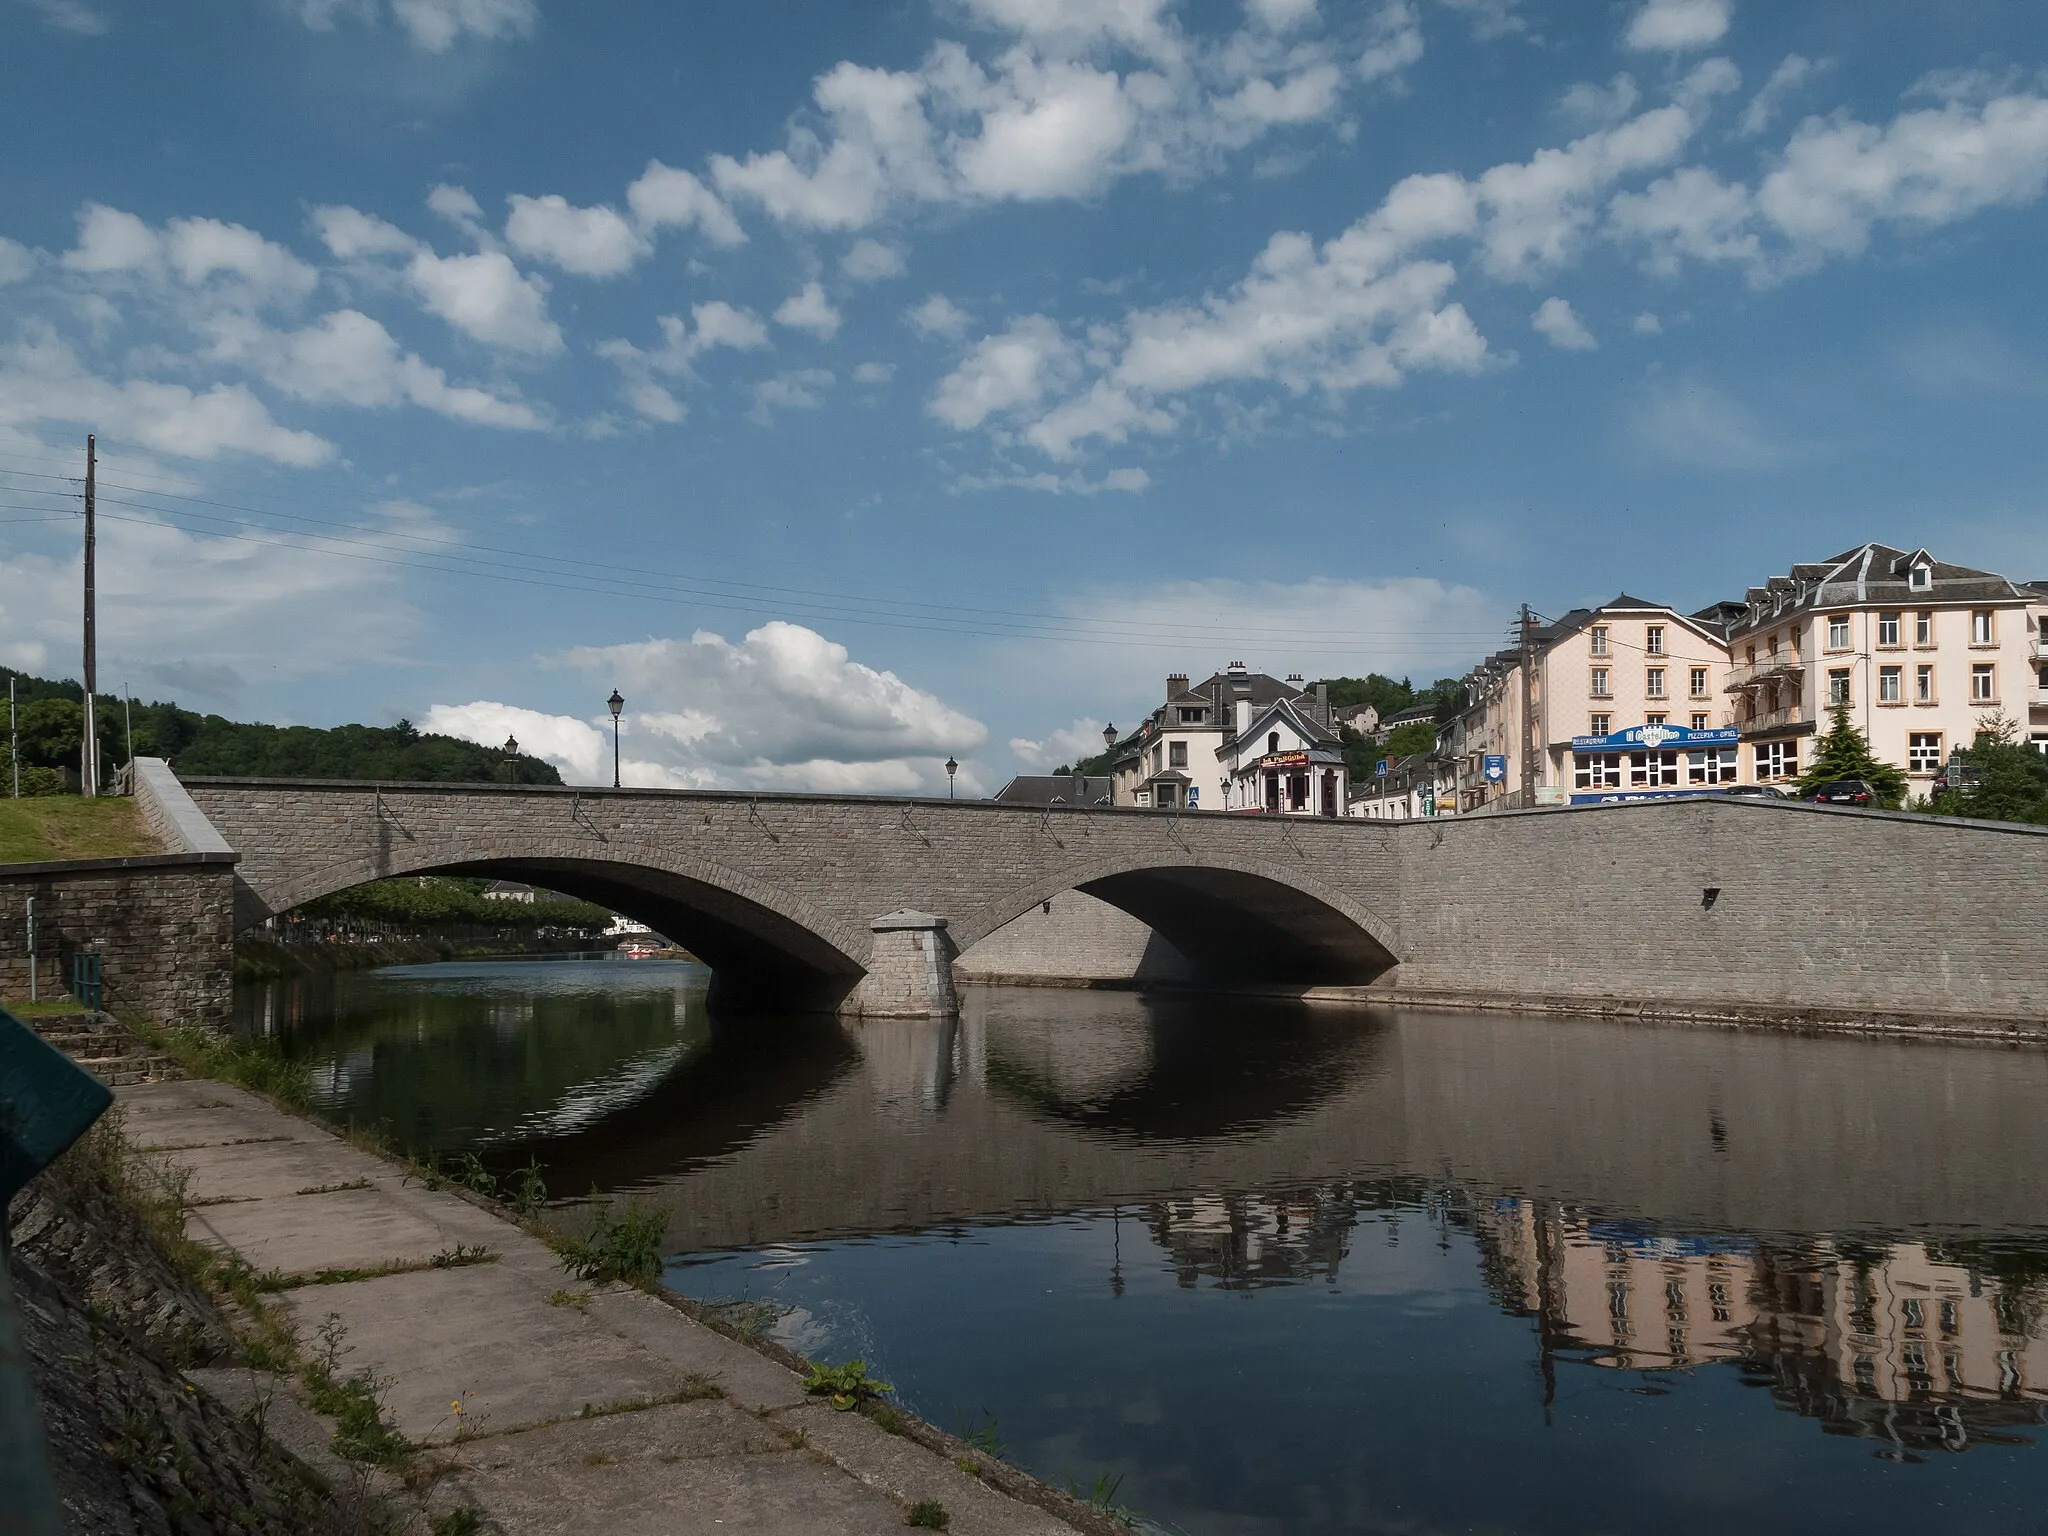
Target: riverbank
498,1385
258,959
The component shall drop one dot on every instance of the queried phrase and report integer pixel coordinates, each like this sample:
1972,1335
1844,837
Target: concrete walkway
585,1408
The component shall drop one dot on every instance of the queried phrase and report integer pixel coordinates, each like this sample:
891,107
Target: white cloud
1556,324
111,241
665,198
1080,25
1013,370
191,252
939,316
1790,74
785,708
458,207
802,389
719,324
1491,19
870,261
347,358
1359,310
1396,42
1129,481
874,373
17,261
1677,26
1047,130
350,234
1647,324
590,242
1070,744
433,26
809,310
485,296
42,380
1281,15
1594,104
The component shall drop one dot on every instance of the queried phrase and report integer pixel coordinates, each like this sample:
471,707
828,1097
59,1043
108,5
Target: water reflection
1289,1269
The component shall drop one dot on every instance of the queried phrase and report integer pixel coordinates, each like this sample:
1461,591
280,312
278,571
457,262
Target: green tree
1844,753
2011,779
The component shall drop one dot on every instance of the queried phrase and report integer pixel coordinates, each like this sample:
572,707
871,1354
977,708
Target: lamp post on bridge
511,758
615,703
951,769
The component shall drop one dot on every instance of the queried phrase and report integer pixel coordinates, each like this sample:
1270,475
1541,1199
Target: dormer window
1273,742
1921,578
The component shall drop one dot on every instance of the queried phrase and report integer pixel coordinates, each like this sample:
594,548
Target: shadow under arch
766,951
1235,923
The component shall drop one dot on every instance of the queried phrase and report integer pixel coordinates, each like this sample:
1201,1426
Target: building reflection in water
1921,1346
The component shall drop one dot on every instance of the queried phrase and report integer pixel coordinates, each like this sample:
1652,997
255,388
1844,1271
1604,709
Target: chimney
1176,685
1323,702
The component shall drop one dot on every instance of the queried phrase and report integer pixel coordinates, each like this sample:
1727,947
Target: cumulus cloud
1647,324
1129,480
190,252
718,324
1490,19
938,316
1556,324
73,16
784,708
590,242
1013,370
666,198
870,261
352,235
17,261
433,26
809,310
43,380
874,373
1790,74
1068,745
1677,26
1396,43
486,297
802,389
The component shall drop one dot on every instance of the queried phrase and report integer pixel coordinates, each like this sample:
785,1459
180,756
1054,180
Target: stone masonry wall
1817,908
1074,939
164,923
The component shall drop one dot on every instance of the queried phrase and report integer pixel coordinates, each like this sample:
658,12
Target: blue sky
855,385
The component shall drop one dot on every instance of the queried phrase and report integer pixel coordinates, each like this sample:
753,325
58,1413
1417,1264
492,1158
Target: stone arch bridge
861,903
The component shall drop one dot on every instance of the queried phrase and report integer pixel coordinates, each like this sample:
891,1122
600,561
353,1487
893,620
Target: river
1255,1267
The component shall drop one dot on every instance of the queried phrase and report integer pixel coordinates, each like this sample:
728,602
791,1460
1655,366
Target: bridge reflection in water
1851,1228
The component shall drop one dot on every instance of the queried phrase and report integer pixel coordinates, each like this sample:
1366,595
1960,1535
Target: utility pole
89,748
13,739
1527,753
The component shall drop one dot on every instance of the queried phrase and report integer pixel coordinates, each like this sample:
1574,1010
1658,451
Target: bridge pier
910,972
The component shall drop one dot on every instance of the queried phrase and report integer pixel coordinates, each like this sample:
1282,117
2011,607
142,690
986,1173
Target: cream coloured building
1922,653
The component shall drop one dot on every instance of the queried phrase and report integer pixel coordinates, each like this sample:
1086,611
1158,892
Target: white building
1174,759
1285,760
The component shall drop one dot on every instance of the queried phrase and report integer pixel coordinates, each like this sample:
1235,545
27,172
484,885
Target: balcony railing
1784,664
1768,720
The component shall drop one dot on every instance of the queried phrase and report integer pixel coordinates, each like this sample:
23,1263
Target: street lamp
951,769
615,704
1109,734
511,750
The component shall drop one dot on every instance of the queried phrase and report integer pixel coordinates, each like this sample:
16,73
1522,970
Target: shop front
1651,762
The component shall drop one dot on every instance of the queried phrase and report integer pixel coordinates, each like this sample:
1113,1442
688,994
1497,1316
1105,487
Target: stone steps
103,1046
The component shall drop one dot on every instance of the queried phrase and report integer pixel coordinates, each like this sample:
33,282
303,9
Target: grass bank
44,828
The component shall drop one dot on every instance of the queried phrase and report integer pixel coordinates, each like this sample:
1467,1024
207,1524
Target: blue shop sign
1496,767
1630,796
1655,738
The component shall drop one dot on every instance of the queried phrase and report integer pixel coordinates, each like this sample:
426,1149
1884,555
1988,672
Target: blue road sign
1380,768
1496,767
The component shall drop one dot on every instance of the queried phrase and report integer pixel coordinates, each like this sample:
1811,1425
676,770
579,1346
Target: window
1597,725
1838,632
1716,765
1177,755
1838,686
1653,682
1923,630
1596,770
1699,720
1923,753
1983,683
1888,685
1698,681
1273,742
1980,626
1888,629
1599,633
1777,760
1655,719
1190,716
1921,578
1923,684
1600,684
1652,770
1653,640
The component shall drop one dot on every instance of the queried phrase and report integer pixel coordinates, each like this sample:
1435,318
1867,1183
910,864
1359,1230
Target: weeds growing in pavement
355,1402
258,1065
982,1436
623,1247
1102,1499
527,1190
459,1522
462,1255
844,1386
928,1515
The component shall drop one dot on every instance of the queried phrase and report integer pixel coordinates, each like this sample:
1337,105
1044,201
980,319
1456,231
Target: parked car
1757,791
1843,792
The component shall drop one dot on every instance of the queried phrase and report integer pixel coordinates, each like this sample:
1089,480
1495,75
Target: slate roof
1867,574
1041,788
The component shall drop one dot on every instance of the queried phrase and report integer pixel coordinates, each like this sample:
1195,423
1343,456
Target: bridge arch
766,946
1235,920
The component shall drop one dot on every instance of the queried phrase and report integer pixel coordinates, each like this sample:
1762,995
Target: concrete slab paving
656,1455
